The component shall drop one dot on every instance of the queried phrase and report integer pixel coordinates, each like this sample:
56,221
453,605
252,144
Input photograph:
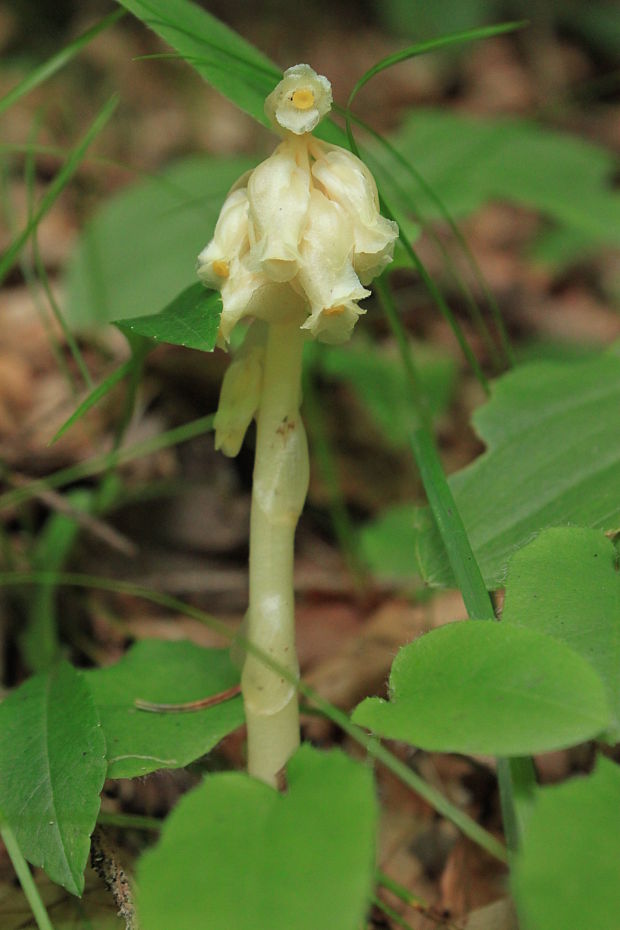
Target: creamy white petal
299,101
230,240
278,195
326,274
347,181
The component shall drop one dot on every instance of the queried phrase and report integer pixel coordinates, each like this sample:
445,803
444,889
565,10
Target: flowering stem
279,491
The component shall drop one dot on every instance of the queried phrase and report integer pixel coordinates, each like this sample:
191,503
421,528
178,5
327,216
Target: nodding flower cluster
300,236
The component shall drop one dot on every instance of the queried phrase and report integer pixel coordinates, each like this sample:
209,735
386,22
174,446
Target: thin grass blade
57,186
44,71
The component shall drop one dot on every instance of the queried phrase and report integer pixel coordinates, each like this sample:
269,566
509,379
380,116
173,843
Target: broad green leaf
140,249
248,857
566,584
164,672
567,872
553,458
469,161
490,688
387,543
192,320
223,58
381,383
52,768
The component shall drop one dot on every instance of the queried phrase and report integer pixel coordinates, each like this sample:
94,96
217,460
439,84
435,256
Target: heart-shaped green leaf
491,688
171,673
567,872
565,583
52,768
553,459
191,320
236,853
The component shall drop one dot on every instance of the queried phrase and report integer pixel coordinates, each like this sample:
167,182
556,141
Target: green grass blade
101,463
223,58
394,153
434,45
25,877
516,776
57,186
39,267
94,397
56,62
375,750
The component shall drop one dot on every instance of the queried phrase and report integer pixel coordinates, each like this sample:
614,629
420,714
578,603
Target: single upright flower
295,244
308,217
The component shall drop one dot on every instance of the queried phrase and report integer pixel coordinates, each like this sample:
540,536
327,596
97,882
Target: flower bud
299,101
240,392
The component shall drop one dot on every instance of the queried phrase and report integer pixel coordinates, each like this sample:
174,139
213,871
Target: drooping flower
301,235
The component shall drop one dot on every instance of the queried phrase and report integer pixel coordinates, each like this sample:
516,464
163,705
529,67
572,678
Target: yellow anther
220,268
334,311
303,98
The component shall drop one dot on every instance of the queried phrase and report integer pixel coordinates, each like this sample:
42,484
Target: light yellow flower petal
347,181
299,101
326,275
230,240
278,195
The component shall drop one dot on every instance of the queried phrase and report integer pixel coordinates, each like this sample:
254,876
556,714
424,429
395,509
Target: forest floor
184,527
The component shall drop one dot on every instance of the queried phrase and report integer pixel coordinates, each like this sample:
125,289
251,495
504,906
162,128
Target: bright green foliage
191,320
567,873
52,768
237,853
224,59
380,382
469,162
140,250
553,458
494,688
565,583
165,672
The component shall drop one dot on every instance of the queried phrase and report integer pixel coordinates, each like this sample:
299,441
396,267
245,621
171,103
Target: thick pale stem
279,491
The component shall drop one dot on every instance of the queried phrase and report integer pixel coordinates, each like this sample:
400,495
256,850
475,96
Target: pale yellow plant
297,240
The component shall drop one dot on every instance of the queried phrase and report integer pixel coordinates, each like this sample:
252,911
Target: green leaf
192,320
140,249
469,161
553,459
223,58
566,584
381,383
248,857
567,873
52,768
163,672
489,688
